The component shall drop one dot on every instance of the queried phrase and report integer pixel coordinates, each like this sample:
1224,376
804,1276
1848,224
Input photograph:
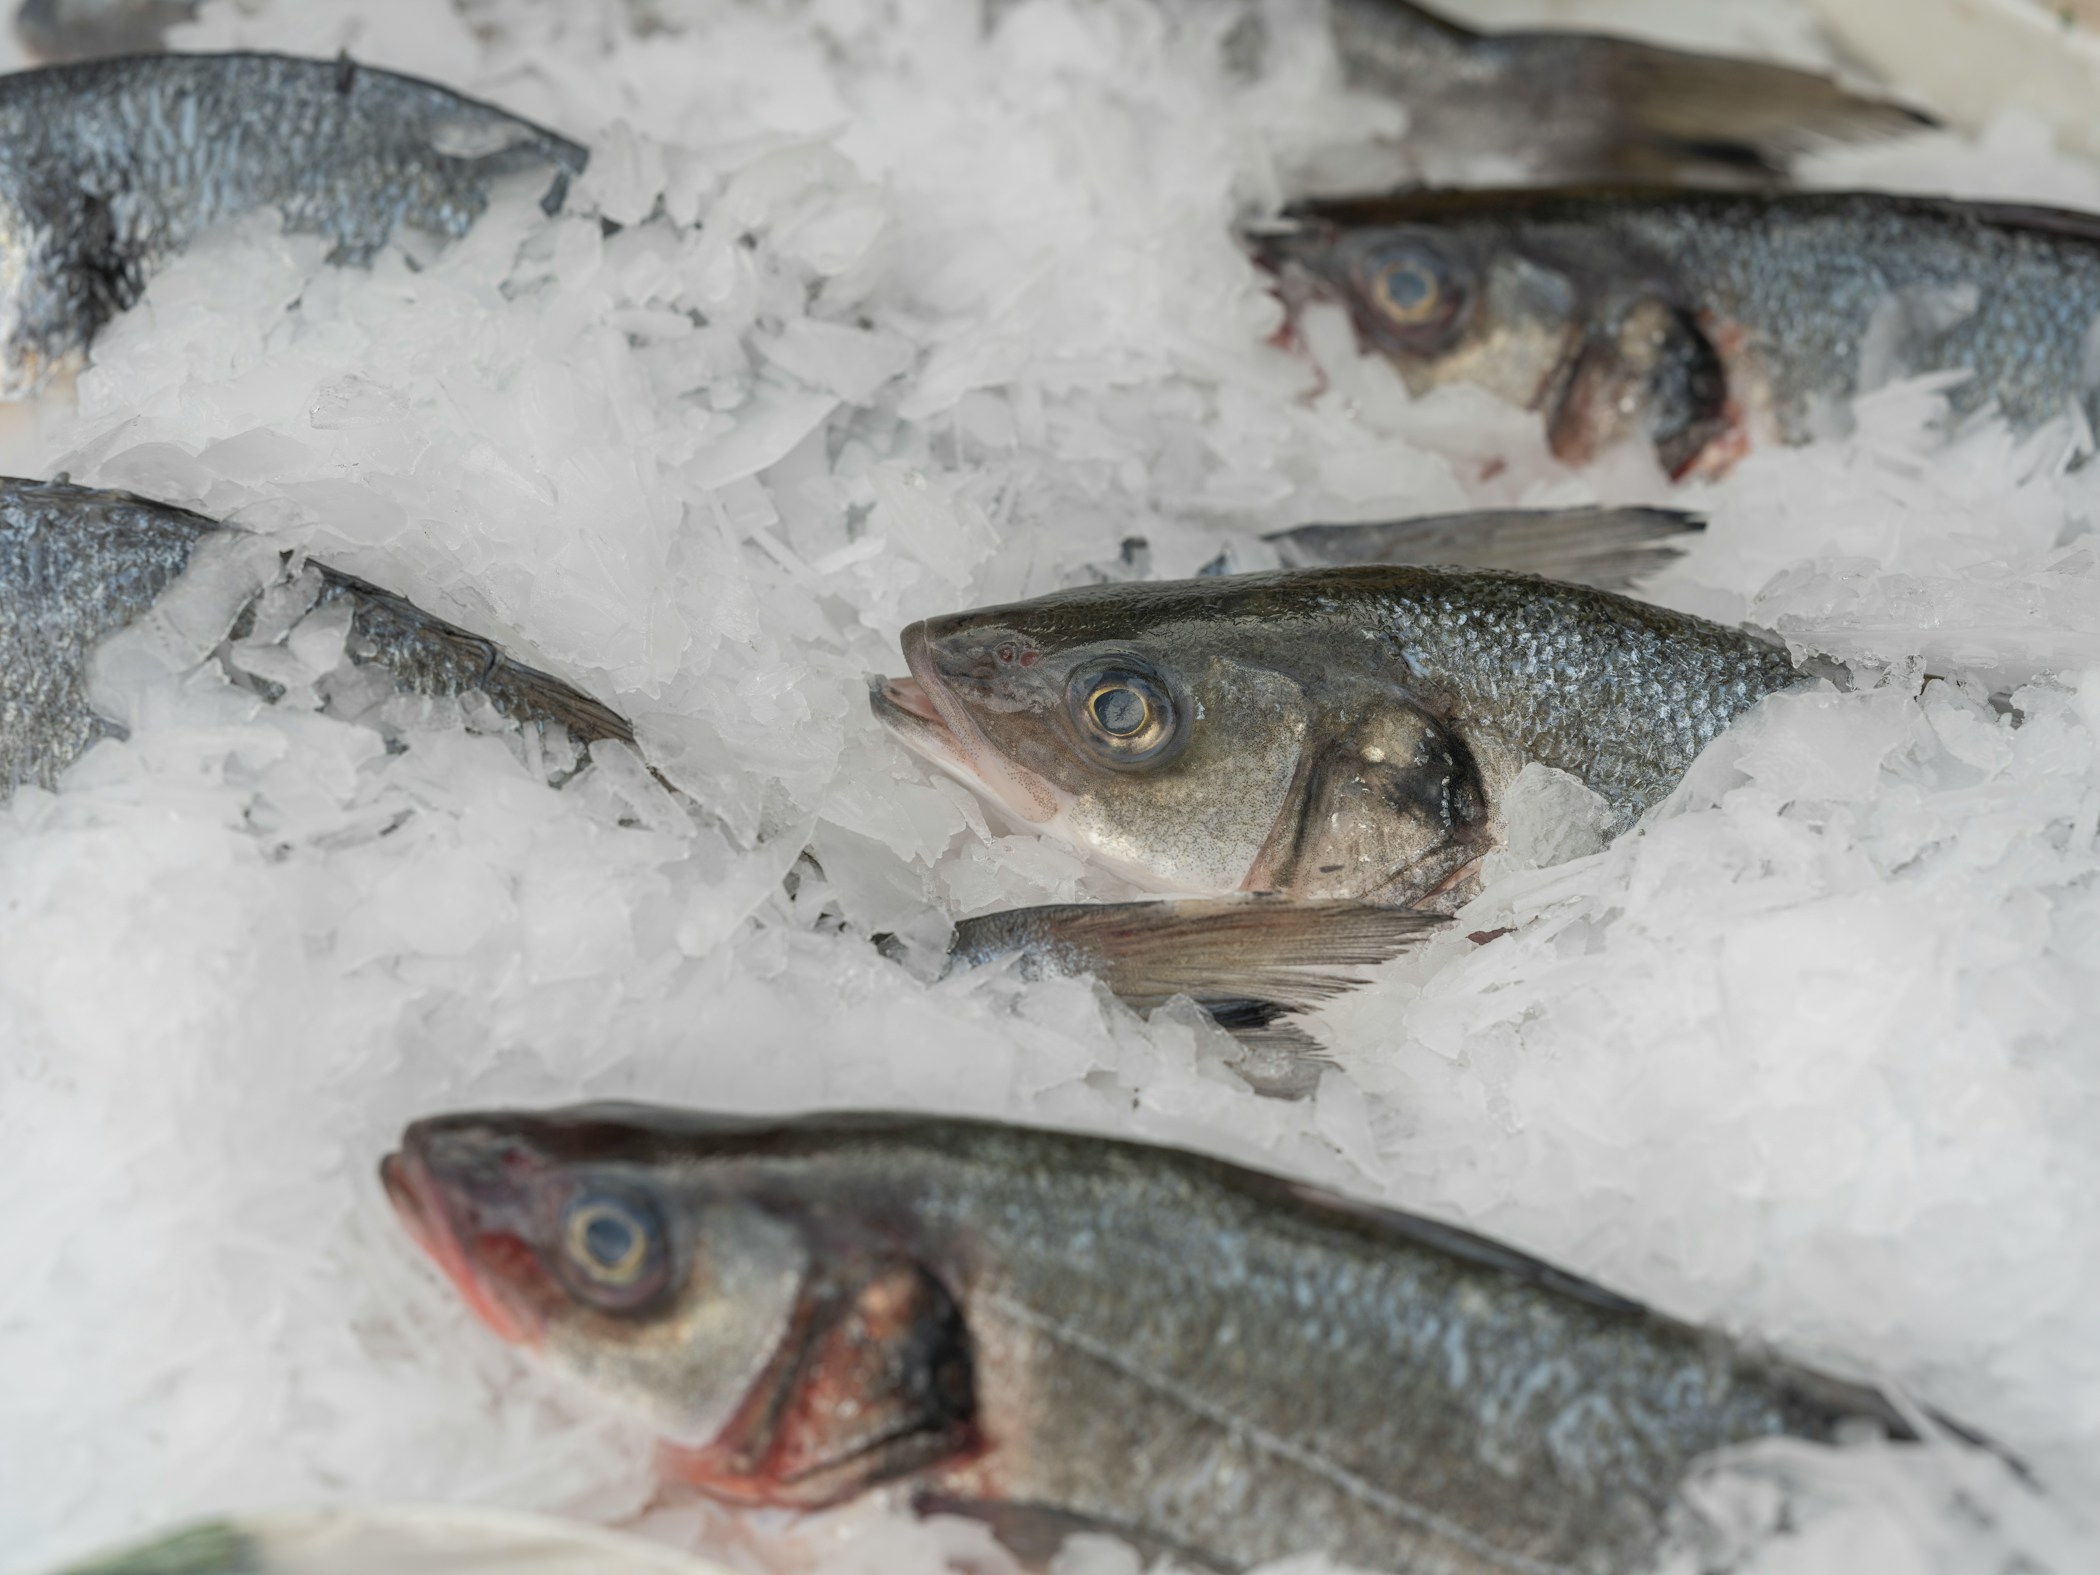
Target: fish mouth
419,1203
929,720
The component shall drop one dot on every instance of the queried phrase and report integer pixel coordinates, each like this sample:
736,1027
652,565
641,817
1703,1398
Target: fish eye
615,1246
1127,717
1411,290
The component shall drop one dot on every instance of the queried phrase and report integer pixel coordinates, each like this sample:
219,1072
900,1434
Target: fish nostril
1006,652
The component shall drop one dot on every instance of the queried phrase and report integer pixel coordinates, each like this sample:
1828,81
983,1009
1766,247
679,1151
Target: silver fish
1056,1331
1320,733
113,166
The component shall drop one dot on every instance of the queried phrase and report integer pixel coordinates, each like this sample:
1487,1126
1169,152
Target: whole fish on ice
1568,106
1701,322
113,166
1057,1331
1331,733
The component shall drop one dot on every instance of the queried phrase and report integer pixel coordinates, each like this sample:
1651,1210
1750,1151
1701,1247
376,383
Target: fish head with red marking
665,1262
1552,310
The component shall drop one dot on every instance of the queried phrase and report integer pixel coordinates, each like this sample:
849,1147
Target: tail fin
1249,960
1607,548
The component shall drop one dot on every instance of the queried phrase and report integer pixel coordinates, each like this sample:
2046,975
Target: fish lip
418,1199
949,736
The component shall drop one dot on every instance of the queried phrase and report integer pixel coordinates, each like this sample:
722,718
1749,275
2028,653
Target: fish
419,1539
1610,548
1323,734
1574,107
1706,323
114,166
55,30
79,565
1059,1331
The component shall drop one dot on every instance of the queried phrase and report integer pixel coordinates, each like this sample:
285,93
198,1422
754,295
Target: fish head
630,1273
743,1285
1199,736
1565,322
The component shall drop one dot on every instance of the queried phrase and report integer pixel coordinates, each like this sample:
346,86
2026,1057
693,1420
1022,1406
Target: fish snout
468,1204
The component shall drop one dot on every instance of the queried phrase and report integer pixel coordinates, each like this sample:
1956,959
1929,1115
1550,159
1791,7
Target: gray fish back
110,166
79,564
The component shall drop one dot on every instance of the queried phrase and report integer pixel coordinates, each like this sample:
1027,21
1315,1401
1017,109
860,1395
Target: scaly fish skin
1566,106
79,564
1056,1330
112,166
1701,321
1318,733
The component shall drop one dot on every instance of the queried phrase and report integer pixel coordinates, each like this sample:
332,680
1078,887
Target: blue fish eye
612,1242
1408,288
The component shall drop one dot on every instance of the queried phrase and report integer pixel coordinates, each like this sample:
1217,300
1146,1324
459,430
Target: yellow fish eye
1119,710
608,1240
1409,291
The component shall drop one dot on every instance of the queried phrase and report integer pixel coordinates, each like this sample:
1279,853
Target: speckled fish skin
112,166
1327,733
1565,106
1054,1330
1706,321
78,564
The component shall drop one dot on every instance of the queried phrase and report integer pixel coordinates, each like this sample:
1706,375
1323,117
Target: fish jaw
925,716
483,1263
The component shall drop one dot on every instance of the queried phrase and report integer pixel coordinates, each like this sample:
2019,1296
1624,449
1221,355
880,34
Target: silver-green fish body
1330,733
1054,1331
109,167
1701,322
78,565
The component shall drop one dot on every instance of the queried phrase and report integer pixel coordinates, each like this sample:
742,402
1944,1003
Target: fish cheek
687,1365
878,1383
1390,809
1647,370
1196,825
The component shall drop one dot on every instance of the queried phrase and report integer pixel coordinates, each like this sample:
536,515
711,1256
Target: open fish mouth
420,1206
928,719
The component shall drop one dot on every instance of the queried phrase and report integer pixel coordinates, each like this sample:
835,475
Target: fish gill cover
897,315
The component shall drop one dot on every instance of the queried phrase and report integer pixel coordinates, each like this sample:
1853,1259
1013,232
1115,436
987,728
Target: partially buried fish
392,1540
1702,322
1057,1332
1332,733
113,166
81,566
1566,106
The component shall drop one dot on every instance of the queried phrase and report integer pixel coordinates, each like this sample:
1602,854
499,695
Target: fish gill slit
1266,1442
